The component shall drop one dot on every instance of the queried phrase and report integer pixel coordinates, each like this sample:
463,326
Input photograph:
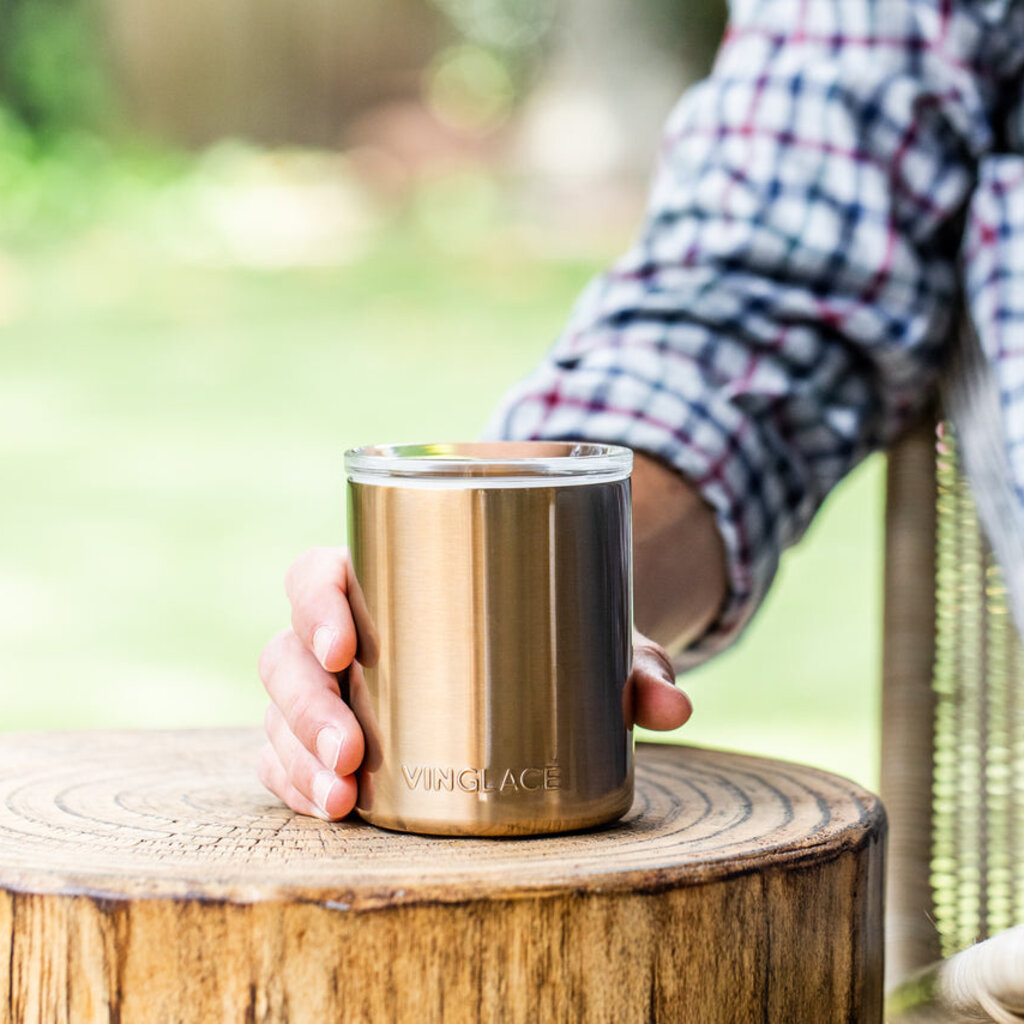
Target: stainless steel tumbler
492,598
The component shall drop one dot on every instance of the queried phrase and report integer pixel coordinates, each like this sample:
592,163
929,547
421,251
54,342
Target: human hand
315,743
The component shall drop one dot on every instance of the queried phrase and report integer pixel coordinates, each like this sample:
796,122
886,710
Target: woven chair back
953,716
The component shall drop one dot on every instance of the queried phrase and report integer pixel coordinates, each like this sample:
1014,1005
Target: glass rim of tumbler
489,464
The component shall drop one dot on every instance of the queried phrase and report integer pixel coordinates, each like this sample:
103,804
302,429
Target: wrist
679,565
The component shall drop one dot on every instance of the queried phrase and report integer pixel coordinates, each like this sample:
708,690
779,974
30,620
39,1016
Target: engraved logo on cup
531,779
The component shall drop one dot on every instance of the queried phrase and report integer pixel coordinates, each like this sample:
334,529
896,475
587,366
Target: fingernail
323,783
328,746
323,641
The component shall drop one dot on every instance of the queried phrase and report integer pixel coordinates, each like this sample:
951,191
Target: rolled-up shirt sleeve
785,306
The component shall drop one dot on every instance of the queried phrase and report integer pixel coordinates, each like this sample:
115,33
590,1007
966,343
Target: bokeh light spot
469,88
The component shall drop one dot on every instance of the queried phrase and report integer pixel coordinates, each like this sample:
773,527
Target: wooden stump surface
149,875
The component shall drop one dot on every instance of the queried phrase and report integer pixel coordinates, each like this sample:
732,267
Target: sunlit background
239,236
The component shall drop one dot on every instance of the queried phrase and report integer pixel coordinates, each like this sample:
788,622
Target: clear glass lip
501,463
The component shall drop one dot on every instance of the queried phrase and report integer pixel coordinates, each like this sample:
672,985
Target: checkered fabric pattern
993,269
786,307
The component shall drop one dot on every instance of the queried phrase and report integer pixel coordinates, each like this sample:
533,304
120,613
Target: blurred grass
171,436
803,682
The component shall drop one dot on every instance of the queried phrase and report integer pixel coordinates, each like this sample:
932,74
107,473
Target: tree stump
147,877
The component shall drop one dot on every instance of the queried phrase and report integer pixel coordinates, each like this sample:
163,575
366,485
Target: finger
308,698
657,702
317,587
333,797
272,774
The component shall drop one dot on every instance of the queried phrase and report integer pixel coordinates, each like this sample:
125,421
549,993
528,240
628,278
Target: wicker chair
952,751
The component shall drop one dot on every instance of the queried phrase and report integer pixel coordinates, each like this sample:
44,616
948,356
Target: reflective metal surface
495,639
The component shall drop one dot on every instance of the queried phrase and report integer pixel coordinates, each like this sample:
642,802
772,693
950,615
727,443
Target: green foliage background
52,76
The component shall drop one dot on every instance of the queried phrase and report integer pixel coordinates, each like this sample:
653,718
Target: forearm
787,305
680,577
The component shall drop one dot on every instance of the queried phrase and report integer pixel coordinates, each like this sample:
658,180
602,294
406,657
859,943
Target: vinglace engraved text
483,780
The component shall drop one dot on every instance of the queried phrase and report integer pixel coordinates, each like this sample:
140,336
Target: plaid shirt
848,171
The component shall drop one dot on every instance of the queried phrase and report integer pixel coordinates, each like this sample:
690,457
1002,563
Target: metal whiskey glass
493,604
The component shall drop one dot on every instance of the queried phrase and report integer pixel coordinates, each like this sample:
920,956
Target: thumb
652,699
